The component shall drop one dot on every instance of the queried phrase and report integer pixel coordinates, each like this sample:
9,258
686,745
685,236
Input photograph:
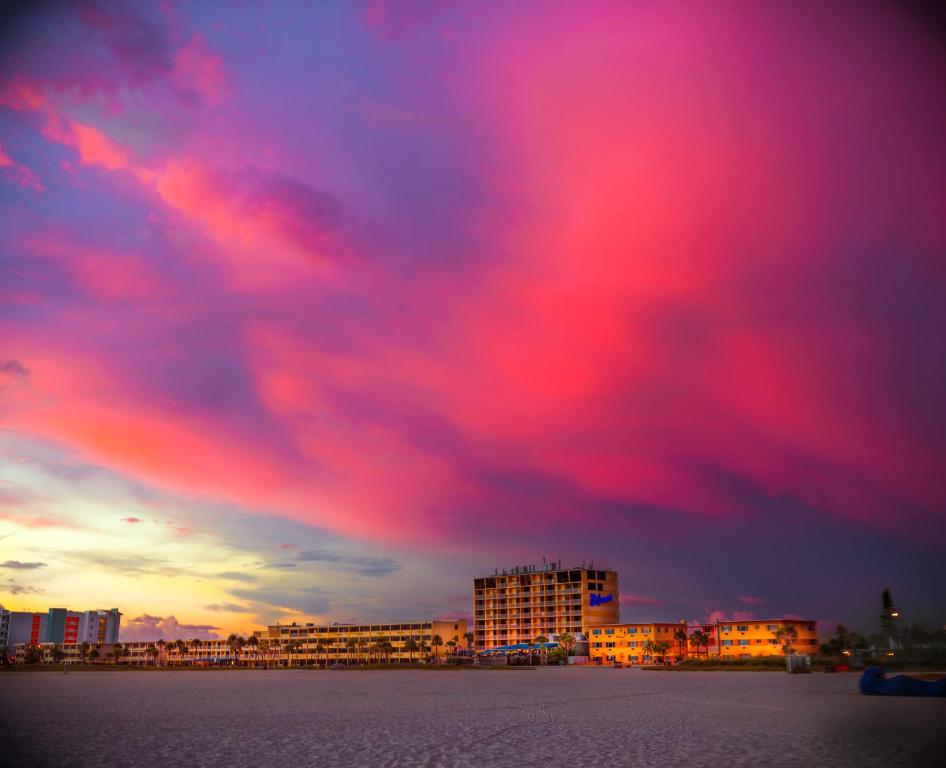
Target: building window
609,631
743,628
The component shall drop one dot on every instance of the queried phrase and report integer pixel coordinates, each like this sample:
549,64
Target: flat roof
700,624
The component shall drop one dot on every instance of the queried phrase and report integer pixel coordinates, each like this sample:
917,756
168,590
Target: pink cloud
105,273
750,600
17,172
712,617
145,627
20,95
195,66
132,520
638,600
272,229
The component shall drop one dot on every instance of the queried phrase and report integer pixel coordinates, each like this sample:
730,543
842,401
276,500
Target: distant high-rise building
519,605
60,625
4,629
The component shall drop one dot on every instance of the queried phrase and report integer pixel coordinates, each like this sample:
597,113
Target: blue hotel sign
600,599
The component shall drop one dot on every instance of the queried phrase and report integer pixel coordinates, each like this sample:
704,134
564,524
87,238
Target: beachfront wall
518,606
626,643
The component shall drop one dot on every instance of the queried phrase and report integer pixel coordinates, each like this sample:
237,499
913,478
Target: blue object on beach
874,682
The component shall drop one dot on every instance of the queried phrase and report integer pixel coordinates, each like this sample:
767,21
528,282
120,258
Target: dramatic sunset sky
315,311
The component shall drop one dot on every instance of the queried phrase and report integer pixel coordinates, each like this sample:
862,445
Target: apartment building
354,642
632,643
519,605
628,643
761,637
60,625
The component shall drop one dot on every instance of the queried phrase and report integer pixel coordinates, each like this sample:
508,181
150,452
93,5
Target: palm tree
703,639
320,648
33,654
161,647
363,645
152,652
888,618
181,647
451,647
93,654
436,643
566,642
423,649
843,637
195,646
57,653
275,646
293,647
468,636
233,643
539,644
787,635
650,649
662,646
411,647
84,648
252,642
349,648
681,637
387,648
696,640
119,651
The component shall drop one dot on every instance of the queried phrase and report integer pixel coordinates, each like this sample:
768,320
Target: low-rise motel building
519,604
294,645
655,642
397,643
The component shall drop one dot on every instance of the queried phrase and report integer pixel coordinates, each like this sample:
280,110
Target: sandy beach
540,717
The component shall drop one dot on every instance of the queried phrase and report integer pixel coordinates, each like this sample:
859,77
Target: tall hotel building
518,605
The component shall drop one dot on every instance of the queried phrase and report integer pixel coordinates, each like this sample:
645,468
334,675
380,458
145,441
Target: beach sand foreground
540,717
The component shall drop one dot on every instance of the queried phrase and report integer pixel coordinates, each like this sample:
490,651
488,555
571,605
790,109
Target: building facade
5,629
761,637
632,643
526,602
628,643
60,625
287,645
344,643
